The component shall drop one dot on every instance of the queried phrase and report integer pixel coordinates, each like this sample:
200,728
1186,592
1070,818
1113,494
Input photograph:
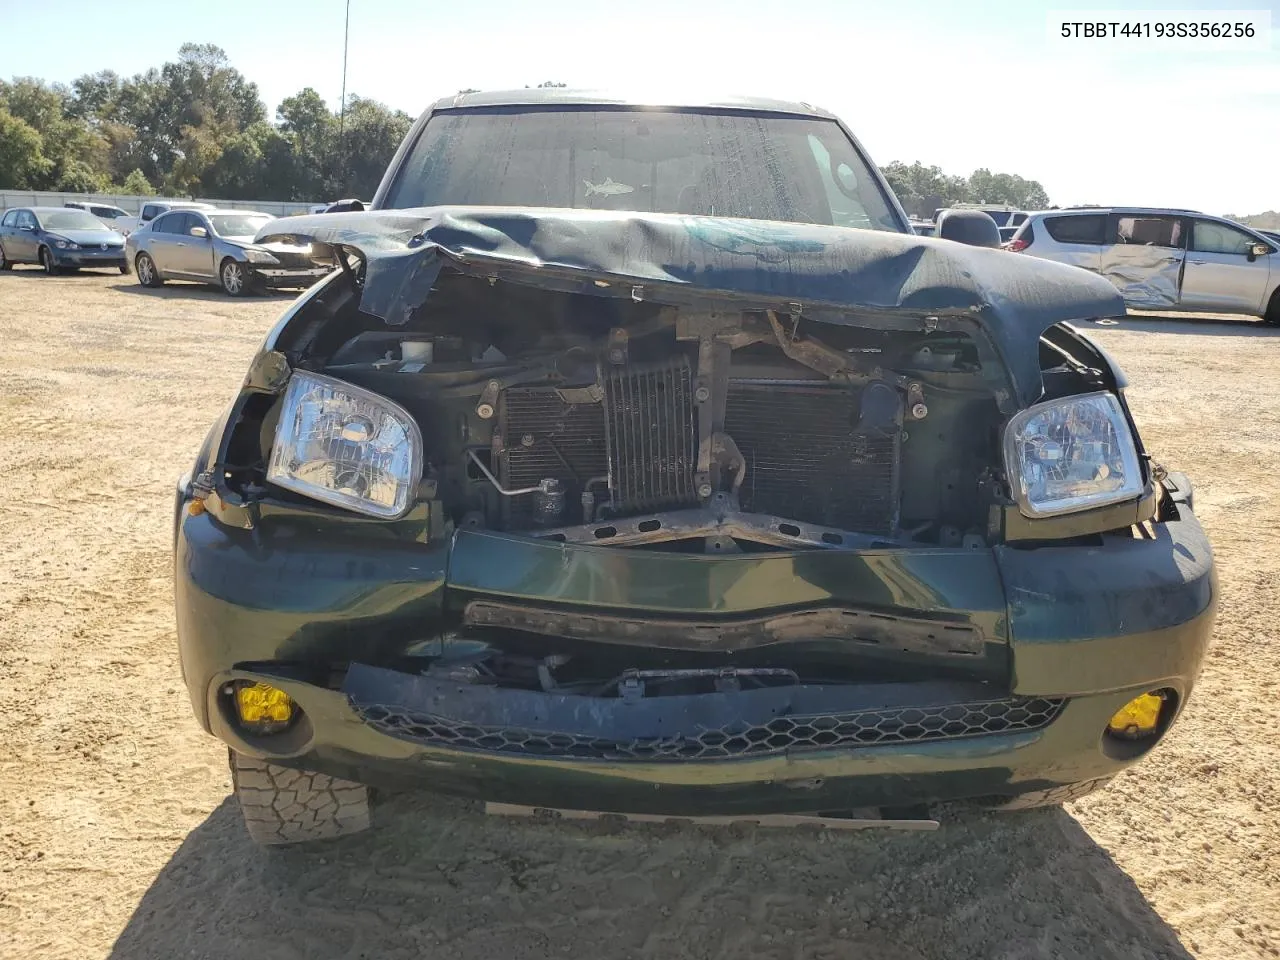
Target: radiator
804,461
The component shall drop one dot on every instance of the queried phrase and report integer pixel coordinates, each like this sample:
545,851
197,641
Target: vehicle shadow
439,878
25,271
1200,326
181,290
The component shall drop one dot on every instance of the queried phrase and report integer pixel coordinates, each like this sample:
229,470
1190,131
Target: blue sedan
58,239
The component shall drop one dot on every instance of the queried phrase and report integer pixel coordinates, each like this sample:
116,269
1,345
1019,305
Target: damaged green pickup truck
641,460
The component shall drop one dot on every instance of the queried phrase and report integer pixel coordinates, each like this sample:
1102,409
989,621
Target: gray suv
1161,259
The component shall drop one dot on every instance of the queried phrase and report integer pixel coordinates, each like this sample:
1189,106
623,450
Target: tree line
196,126
922,190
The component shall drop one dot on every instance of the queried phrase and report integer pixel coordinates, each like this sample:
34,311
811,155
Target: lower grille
863,728
804,461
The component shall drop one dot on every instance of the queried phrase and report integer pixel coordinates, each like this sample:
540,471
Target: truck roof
562,96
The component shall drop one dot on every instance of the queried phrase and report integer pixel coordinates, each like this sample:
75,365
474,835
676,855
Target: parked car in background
1003,214
154,208
924,228
216,246
58,239
113,217
551,498
1163,259
347,205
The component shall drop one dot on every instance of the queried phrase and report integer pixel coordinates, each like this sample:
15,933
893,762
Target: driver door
24,239
1143,258
195,254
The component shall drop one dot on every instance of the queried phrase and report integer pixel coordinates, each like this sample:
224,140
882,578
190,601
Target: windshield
761,167
1001,217
237,224
69,220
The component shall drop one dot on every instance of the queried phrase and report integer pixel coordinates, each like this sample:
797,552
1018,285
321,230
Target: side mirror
198,232
1258,250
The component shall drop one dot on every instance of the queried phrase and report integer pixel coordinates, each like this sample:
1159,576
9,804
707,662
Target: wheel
4,261
148,275
46,261
282,805
234,277
1050,798
1272,316
124,268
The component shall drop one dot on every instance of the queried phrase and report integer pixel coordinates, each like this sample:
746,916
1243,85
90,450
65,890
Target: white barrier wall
44,198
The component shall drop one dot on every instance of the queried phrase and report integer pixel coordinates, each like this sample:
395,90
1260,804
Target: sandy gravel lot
118,837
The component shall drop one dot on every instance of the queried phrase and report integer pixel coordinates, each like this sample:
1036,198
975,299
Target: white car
1162,259
112,216
154,208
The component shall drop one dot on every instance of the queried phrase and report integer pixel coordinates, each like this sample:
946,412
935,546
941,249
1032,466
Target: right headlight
1072,454
343,445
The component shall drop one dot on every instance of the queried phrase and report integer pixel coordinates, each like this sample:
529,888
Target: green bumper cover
1088,627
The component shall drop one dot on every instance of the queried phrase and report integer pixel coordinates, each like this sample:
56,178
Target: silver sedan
216,246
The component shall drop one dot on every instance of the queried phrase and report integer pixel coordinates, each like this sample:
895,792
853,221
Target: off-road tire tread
282,805
1052,797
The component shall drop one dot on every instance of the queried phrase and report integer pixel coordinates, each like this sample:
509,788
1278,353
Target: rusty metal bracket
828,361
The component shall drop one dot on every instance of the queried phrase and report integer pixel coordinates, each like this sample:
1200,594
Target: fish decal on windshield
607,189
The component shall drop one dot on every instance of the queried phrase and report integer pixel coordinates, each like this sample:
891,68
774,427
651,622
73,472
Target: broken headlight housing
346,446
1072,454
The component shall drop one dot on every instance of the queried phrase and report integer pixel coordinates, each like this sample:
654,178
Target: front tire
1272,316
281,805
234,277
123,268
148,275
46,261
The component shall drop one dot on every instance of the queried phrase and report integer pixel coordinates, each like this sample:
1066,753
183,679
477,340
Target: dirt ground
118,837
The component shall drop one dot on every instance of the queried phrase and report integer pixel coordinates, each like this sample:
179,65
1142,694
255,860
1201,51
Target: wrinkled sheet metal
1146,276
834,274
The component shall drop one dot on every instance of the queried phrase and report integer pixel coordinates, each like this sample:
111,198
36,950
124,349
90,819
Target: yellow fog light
259,703
1137,718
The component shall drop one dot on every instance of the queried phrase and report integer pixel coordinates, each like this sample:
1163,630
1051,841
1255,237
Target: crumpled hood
831,274
274,245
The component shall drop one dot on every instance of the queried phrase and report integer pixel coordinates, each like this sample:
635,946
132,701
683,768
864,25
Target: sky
956,84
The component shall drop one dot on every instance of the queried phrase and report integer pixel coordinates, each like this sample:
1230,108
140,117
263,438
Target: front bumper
89,257
1080,631
288,276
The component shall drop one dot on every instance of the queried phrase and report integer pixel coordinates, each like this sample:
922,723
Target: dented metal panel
1145,276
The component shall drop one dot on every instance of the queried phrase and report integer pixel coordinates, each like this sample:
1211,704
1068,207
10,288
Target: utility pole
342,110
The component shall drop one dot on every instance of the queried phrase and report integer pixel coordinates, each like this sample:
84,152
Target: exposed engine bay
588,420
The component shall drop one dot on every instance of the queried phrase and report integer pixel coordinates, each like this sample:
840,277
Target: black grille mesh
804,461
780,735
652,435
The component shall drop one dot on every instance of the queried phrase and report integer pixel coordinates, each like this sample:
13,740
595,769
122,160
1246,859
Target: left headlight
62,244
259,256
1071,454
346,446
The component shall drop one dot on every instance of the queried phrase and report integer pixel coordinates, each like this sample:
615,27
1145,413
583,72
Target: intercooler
804,460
